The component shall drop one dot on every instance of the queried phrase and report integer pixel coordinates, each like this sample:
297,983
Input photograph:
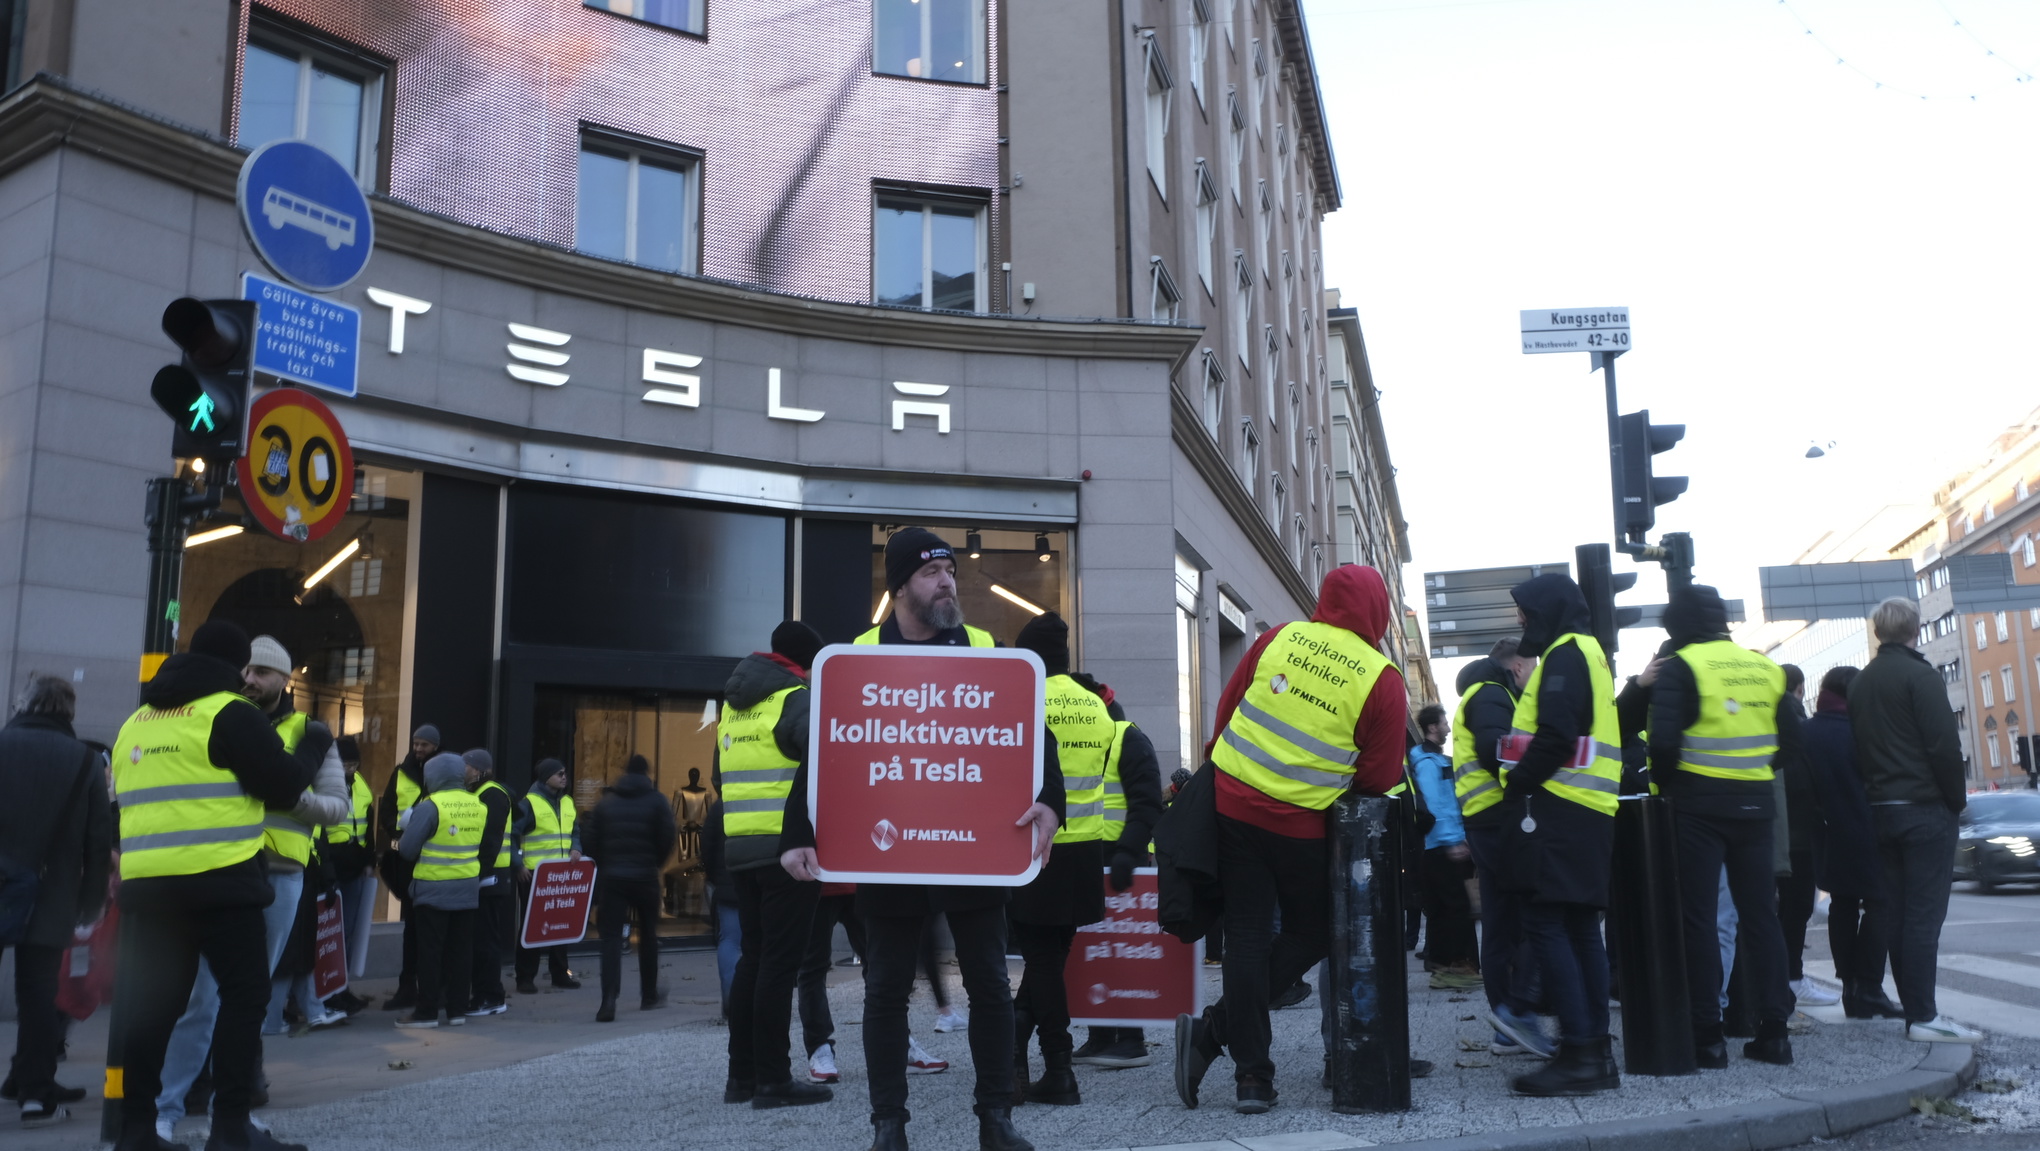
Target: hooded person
405,787
1314,709
496,914
1562,774
629,835
443,840
1714,734
545,830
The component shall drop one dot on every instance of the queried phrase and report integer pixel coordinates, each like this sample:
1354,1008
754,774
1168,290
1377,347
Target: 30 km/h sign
298,474
1575,330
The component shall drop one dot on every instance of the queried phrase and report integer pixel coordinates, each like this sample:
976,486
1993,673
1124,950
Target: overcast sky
1806,257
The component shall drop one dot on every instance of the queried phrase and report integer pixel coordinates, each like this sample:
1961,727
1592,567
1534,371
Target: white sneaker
1941,1029
821,1066
1811,994
919,1062
951,1021
326,1019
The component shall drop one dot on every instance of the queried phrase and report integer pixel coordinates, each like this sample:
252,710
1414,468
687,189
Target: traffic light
1642,490
206,396
1600,583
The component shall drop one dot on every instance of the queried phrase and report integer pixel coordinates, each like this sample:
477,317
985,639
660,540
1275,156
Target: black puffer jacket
1487,692
56,818
630,833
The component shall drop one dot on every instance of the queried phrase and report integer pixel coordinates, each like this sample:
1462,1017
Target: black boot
792,1093
1864,1000
738,1091
996,1131
607,1012
1023,1031
1710,1049
1197,1044
1579,1069
1773,1043
1058,1084
888,1135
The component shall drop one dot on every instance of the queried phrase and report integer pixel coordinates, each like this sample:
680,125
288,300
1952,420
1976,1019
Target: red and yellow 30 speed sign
298,474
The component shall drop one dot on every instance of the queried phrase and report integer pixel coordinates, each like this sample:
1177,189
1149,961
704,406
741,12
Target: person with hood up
443,840
761,745
1714,733
406,787
1314,709
1561,774
629,835
1849,869
194,770
545,832
496,913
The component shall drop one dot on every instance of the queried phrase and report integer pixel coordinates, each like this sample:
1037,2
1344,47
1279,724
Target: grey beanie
443,771
428,733
480,760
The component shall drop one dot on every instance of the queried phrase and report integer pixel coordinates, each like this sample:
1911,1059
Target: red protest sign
920,761
556,911
329,960
1125,971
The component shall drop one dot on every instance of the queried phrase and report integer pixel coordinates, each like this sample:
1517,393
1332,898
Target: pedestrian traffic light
206,396
1600,583
1642,489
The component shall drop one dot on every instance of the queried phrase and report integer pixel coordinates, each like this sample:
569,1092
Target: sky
1807,256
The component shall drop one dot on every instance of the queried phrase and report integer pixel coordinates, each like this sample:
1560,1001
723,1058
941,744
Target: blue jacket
1433,773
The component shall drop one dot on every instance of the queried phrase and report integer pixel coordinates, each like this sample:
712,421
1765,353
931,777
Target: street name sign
305,214
305,480
1125,971
556,911
303,339
1469,610
1575,330
921,759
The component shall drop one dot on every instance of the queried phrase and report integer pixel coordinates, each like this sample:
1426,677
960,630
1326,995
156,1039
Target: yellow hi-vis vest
1115,788
503,849
979,637
408,792
756,776
1476,786
455,849
1084,737
1593,778
1292,735
1736,736
551,839
355,830
281,832
180,814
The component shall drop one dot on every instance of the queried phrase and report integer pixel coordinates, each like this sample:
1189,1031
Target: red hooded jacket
1353,597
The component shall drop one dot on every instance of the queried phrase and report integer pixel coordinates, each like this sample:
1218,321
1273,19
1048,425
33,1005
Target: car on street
1999,840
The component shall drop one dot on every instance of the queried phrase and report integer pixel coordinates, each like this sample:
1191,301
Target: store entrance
595,732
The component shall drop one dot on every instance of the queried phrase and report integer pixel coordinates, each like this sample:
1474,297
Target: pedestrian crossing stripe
1993,1015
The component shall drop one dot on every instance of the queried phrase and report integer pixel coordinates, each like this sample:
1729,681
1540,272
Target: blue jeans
1567,937
357,897
729,943
191,1040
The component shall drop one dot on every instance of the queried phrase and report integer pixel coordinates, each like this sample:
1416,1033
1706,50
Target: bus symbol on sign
281,207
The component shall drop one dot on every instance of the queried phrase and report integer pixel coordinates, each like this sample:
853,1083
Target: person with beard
1314,709
1714,733
194,770
496,911
546,832
1560,780
629,835
405,788
920,575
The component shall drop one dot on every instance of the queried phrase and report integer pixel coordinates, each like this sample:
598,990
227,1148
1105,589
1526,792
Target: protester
1797,893
811,987
629,835
406,787
1450,949
350,848
1133,808
546,833
496,900
1314,709
1910,759
1850,870
443,836
57,825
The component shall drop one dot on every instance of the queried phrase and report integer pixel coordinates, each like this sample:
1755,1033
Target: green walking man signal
207,395
203,407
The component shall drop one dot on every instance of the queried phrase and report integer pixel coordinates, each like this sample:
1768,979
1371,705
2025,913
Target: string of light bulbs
2019,74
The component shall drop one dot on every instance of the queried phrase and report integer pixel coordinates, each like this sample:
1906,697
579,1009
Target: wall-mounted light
884,601
974,545
1041,551
207,537
1018,602
326,569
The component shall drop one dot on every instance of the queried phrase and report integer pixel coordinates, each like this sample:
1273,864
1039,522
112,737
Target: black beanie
797,642
546,769
223,640
908,550
348,747
636,765
1047,636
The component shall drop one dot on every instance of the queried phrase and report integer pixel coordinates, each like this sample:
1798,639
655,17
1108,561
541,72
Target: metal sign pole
1605,363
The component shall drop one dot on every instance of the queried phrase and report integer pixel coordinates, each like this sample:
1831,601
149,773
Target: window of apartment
1165,301
928,253
1264,224
1990,742
2020,490
294,92
1207,227
2005,682
1200,46
2033,619
1214,394
929,39
1250,452
1243,305
684,15
1968,523
637,205
2026,551
1989,512
1982,635
2004,627
1302,541
1237,141
1278,500
1310,462
1940,577
1288,290
1189,581
1984,693
1158,85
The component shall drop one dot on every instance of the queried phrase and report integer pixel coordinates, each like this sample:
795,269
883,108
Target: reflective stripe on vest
355,830
1593,778
282,833
180,814
1292,735
1736,736
1476,786
1084,735
1115,787
979,637
455,849
756,776
503,849
551,838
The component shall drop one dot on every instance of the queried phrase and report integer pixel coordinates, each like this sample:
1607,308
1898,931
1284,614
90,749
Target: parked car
2000,839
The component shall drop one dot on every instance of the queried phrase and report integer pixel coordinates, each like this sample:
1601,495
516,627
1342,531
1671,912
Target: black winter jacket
1186,860
756,677
1907,749
1849,865
495,825
57,817
630,833
1701,617
1490,693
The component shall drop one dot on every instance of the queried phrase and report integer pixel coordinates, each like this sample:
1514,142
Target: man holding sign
920,748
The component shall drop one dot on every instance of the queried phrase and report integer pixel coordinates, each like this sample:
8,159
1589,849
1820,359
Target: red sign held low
329,963
1125,971
556,912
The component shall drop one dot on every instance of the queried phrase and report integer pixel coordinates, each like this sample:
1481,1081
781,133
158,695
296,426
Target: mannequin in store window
692,804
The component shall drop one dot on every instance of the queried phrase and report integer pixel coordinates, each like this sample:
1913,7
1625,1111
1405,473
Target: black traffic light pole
1674,550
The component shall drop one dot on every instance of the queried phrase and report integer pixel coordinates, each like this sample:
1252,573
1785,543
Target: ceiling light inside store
974,545
326,569
884,601
207,537
1016,601
1041,551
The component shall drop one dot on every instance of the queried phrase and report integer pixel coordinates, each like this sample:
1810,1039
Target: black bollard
1657,1027
1369,974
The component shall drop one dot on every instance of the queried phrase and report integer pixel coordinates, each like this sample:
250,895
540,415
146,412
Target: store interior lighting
206,537
974,545
884,601
326,569
1017,601
1041,551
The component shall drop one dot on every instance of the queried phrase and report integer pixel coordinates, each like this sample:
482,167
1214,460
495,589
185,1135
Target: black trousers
1743,846
1796,899
1574,966
1916,841
1856,936
40,1031
495,925
894,942
159,952
527,957
617,900
446,958
817,1023
1449,940
929,966
776,913
1043,1000
1259,872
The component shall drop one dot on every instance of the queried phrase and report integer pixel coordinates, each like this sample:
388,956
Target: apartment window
1158,85
1302,541
1237,138
1984,690
1982,636
1940,577
2004,627
1200,46
1243,305
2020,490
2005,682
291,92
350,666
2033,619
1310,462
1207,227
2026,551
1214,394
1990,742
1989,512
929,39
1188,581
1265,223
1165,300
1250,452
684,15
1968,524
928,254
1278,500
637,205
1288,290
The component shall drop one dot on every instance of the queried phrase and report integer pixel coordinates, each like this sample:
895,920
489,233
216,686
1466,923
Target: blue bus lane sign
302,338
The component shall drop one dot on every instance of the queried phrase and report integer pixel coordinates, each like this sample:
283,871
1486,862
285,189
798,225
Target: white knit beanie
264,651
